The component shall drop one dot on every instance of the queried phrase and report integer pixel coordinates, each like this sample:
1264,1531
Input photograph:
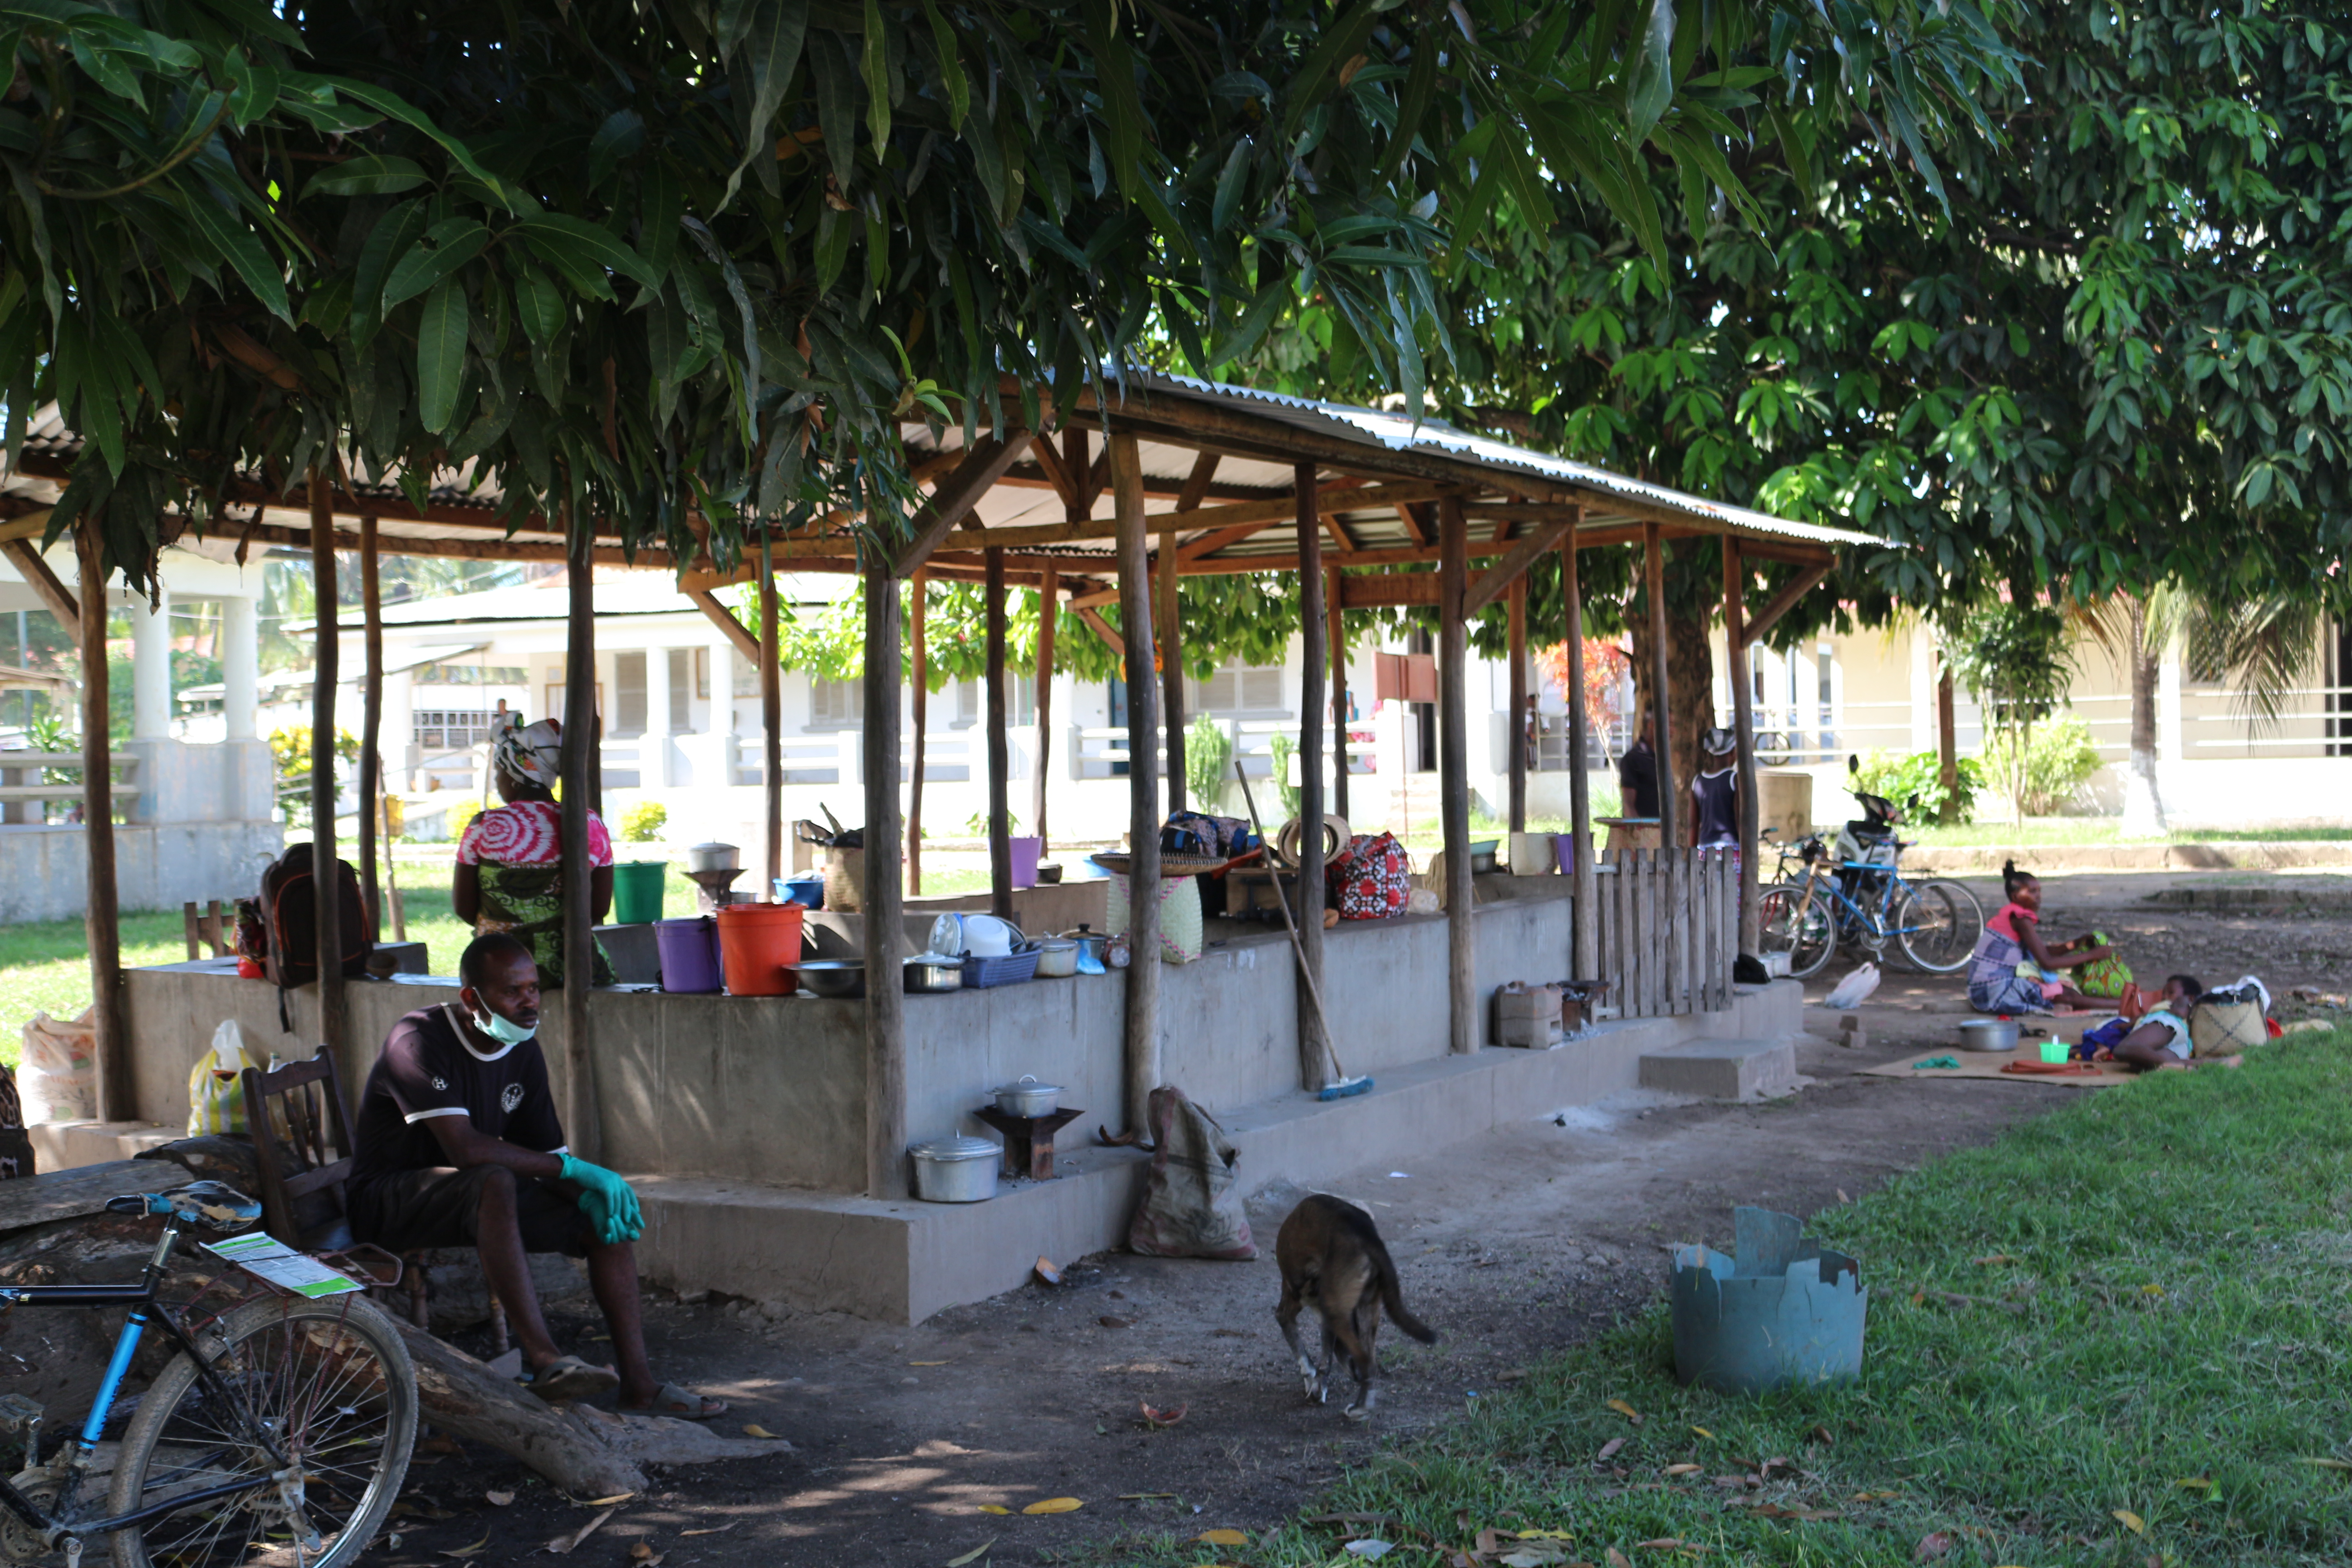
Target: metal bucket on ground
1778,1312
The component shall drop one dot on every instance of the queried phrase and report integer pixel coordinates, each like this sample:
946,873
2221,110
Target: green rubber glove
607,1201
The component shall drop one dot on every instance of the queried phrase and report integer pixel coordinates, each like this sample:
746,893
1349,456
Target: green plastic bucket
637,890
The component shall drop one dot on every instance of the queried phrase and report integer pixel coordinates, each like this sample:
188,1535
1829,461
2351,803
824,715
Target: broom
1343,1086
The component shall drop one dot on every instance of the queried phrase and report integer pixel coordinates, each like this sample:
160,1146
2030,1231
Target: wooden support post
1454,772
370,726
118,1094
886,1001
1579,789
582,1123
1338,644
1000,757
1313,1070
1661,707
771,720
1171,671
1947,744
1049,610
1743,719
1519,716
919,604
1143,789
333,1032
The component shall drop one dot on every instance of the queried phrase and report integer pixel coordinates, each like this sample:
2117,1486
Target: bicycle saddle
209,1206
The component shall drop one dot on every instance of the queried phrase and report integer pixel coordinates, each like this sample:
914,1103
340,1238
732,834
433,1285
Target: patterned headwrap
530,753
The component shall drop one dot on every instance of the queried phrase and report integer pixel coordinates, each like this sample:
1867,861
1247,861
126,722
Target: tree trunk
1690,675
2143,794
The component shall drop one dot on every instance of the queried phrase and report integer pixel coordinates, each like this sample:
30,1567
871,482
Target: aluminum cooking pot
929,972
1028,1098
1056,957
956,1170
1989,1034
714,856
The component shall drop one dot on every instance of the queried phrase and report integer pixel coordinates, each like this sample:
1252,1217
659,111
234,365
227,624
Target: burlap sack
1191,1206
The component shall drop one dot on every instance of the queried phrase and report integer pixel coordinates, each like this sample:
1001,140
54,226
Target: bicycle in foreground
279,1434
1856,894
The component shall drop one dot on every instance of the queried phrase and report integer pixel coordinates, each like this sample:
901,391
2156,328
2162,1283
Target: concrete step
1723,1069
68,1145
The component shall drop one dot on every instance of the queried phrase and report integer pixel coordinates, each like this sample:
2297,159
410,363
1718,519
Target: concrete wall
45,869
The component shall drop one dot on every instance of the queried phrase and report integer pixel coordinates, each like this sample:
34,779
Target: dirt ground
1512,1246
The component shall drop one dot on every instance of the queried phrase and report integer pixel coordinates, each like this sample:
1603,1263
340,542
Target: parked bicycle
279,1433
1856,893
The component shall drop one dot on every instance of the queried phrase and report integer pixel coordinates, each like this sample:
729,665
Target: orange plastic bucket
758,945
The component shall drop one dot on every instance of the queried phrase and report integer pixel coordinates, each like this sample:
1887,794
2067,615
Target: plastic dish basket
1011,969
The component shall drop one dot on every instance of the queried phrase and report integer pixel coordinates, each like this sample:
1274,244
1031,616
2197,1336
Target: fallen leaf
1627,1411
2195,1484
994,1507
497,1500
1998,1258
1820,1434
1055,1505
616,1497
974,1555
1224,1537
1162,1418
1142,1497
753,1429
1682,1469
1619,1560
1048,1272
1371,1546
1545,1535
1543,1554
436,1443
2130,1521
420,1511
1729,1480
1931,1546
2151,1289
1704,1433
1109,1322
2331,1464
642,1551
714,1530
927,1363
564,1543
464,1552
1668,1543
1608,1450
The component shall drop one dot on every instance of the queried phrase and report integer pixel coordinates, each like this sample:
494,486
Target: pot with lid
957,1169
1028,1097
1057,957
714,856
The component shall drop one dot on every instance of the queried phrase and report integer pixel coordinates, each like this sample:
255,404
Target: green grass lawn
2152,1363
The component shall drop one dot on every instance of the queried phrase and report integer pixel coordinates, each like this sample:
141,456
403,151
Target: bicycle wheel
1786,923
1936,925
331,1384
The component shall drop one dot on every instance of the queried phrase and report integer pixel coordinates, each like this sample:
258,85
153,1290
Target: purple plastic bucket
1563,852
690,953
1025,852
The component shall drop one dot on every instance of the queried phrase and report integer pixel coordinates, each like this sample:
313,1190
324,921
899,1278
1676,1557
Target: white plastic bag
59,1078
216,1083
1854,990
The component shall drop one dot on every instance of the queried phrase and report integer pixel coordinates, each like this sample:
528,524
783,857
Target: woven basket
2225,1028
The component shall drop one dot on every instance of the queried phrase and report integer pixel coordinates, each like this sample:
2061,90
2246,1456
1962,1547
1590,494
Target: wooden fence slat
1730,917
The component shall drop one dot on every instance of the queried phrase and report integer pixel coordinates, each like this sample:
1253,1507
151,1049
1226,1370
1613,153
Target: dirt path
1511,1245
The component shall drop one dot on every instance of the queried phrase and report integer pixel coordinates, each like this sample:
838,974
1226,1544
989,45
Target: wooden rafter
1516,560
958,494
58,598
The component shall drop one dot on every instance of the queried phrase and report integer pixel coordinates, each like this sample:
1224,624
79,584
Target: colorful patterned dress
2003,978
519,851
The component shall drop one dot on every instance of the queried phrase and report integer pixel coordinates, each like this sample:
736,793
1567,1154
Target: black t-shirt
429,1068
1637,781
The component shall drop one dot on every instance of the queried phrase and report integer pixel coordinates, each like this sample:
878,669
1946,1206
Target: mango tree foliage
640,261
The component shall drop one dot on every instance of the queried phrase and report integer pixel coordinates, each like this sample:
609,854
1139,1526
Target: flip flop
682,1403
568,1377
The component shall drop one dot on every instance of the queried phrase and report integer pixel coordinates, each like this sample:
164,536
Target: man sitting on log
458,1144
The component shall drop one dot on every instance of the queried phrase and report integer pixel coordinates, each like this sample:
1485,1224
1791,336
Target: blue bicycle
279,1434
1857,894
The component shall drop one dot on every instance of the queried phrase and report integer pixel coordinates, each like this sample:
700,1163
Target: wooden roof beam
724,620
1490,585
958,494
26,557
1784,602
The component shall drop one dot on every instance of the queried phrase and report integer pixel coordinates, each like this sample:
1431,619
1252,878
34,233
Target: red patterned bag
1372,877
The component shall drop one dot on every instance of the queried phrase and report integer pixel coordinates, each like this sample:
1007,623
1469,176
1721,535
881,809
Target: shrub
1208,763
460,814
643,823
2058,761
1283,748
1915,783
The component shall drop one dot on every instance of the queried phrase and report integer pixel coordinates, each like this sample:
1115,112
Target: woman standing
509,875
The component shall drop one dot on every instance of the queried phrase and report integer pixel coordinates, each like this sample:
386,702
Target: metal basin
833,977
1989,1034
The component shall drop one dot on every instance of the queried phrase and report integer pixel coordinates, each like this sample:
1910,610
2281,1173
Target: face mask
505,1031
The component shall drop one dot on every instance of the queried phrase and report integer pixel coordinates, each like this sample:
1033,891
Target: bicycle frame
141,1299
1874,926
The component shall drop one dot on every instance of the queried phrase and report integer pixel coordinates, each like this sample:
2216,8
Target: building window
1020,700
1240,688
629,694
471,675
451,729
681,672
837,704
701,674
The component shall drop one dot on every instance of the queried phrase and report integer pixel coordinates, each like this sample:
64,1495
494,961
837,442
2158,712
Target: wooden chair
304,1145
209,926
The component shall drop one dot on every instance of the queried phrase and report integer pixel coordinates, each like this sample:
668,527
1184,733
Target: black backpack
289,922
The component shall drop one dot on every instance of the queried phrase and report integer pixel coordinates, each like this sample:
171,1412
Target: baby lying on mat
2158,1037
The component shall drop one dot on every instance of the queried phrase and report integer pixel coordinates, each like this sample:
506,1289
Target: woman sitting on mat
509,874
2013,969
